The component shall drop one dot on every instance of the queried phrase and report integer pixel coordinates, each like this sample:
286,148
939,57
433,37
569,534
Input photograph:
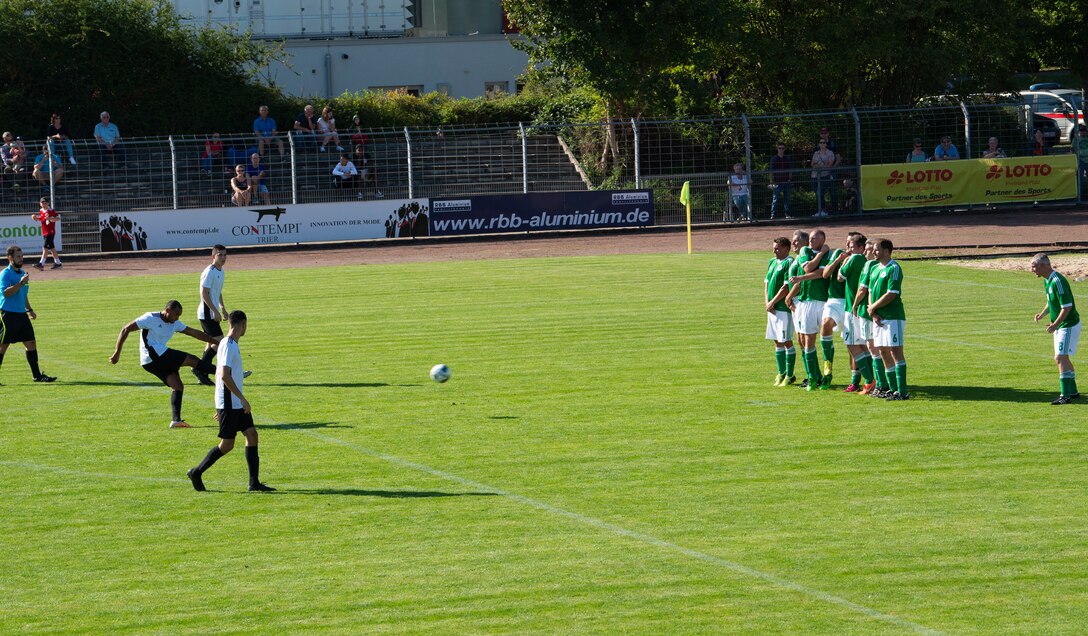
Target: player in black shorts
232,407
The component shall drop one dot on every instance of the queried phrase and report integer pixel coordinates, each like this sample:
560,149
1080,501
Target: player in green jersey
849,267
889,319
806,298
1064,324
779,317
865,323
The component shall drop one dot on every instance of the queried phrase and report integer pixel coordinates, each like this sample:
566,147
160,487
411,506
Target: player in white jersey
235,413
212,309
156,329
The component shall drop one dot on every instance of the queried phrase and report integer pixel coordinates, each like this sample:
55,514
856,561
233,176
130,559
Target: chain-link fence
741,168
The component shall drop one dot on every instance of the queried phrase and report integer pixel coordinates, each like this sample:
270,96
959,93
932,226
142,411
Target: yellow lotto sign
944,183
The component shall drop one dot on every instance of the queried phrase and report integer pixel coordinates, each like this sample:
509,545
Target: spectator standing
993,150
212,155
781,181
47,167
108,137
917,154
740,190
946,150
58,133
1080,147
345,175
13,153
850,188
264,128
1038,144
306,125
823,160
241,192
326,125
257,175
50,221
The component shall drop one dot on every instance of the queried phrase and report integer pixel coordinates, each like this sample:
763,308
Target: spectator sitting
945,151
59,134
1038,144
357,136
851,202
257,175
345,175
241,191
917,154
47,166
326,124
13,153
264,128
109,140
740,190
993,151
306,125
213,154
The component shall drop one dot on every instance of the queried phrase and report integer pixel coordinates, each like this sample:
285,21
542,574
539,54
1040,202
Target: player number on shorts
895,338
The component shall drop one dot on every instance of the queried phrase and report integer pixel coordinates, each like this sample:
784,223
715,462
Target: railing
173,173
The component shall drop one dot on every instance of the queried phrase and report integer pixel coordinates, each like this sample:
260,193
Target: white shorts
852,333
1065,340
835,309
807,314
865,328
889,334
780,326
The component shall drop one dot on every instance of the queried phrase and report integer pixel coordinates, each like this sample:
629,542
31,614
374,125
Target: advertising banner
541,211
261,225
26,233
968,181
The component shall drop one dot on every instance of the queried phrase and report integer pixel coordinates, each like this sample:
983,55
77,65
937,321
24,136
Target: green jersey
861,309
835,287
850,275
814,289
798,268
887,278
1059,295
778,273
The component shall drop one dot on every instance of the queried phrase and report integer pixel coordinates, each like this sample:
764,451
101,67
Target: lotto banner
262,225
968,181
26,233
542,211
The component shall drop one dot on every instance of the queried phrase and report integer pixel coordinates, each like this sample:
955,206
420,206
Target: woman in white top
326,127
740,190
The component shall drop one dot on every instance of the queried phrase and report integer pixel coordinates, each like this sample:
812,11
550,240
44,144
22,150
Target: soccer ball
440,373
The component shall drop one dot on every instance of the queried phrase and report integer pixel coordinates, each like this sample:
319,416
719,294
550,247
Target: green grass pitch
609,457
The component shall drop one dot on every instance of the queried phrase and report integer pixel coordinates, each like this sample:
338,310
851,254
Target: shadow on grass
301,426
106,383
334,385
982,394
387,494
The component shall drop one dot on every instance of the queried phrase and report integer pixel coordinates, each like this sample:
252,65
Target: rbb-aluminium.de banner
543,211
26,233
262,225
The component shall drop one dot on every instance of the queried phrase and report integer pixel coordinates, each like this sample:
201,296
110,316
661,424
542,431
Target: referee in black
16,312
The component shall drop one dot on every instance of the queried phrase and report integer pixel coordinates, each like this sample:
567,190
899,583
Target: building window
495,89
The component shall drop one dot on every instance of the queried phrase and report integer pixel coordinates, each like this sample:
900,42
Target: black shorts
233,421
15,327
167,364
211,327
49,241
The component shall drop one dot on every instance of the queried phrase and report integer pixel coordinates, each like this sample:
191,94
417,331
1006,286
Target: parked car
1051,132
1063,106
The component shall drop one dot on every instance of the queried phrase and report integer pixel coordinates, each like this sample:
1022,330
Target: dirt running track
1019,228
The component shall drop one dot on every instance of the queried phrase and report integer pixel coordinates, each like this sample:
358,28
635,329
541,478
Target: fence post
524,160
408,141
747,164
53,174
857,158
638,155
966,131
173,170
294,173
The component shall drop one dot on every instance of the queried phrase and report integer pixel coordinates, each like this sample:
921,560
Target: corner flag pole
685,198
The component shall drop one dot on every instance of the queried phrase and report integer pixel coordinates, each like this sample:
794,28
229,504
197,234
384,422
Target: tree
1061,35
131,57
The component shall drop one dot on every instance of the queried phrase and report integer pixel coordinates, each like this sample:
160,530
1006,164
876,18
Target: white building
459,47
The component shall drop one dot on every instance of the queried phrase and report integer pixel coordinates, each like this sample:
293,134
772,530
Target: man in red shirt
49,219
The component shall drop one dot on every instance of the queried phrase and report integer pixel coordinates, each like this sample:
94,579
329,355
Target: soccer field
609,457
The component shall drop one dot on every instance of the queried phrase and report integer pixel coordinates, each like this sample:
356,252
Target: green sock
780,360
893,382
901,376
1068,382
865,365
881,377
827,345
814,365
855,375
791,361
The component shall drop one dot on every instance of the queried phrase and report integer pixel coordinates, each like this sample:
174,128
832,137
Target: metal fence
176,173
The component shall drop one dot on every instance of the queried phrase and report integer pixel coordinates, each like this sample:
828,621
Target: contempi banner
26,233
944,183
541,211
262,225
